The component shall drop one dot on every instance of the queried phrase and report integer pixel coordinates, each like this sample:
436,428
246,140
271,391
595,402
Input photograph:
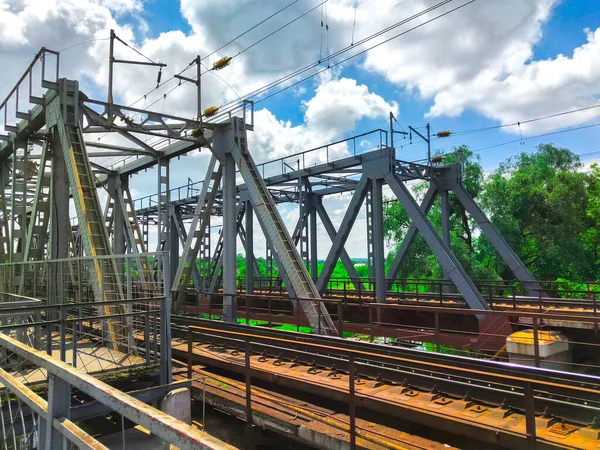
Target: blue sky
489,63
562,33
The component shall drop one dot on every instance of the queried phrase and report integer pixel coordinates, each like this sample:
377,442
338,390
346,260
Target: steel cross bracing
196,237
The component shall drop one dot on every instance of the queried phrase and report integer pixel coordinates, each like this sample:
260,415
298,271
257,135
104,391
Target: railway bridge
90,311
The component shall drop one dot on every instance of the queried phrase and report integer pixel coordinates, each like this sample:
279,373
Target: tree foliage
544,204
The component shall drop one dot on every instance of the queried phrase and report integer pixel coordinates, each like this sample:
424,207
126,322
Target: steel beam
249,244
410,236
378,238
445,201
440,249
331,231
229,239
343,232
509,256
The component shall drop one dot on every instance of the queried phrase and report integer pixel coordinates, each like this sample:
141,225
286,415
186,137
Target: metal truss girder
18,208
198,227
247,239
40,210
511,259
4,220
343,232
94,116
182,233
216,274
440,249
331,231
133,235
277,234
411,234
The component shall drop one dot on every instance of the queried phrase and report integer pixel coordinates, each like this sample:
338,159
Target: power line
83,42
583,127
367,50
279,29
233,106
250,29
523,122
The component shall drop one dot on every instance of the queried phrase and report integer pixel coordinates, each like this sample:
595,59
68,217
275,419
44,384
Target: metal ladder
94,237
273,226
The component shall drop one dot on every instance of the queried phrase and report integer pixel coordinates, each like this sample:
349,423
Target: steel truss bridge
93,272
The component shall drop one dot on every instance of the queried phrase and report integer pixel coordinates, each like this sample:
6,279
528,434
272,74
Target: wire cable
552,133
279,29
523,122
250,29
232,106
82,42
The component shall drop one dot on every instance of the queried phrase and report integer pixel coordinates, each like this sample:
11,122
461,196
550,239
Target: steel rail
572,396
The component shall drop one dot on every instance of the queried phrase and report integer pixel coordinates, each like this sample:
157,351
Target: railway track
569,397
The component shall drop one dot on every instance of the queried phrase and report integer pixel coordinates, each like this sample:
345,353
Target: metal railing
478,333
40,61
67,280
500,294
44,423
298,161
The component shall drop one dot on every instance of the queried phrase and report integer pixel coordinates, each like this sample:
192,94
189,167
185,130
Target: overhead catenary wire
552,133
81,43
523,122
279,29
339,52
250,29
229,42
232,106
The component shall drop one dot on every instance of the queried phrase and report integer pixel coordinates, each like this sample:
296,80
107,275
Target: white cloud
333,111
338,105
481,58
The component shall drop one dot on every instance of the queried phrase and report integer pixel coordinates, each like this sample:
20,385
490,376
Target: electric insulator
222,63
443,134
209,112
437,159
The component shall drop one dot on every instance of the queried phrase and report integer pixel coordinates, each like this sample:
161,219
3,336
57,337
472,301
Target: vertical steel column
229,239
249,248
163,204
59,405
118,217
314,259
378,238
303,213
370,233
173,248
5,219
444,198
166,359
19,201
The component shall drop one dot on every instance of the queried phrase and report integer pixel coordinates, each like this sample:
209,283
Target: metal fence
86,279
97,313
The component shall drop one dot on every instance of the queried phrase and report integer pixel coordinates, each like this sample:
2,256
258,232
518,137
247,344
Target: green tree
539,203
